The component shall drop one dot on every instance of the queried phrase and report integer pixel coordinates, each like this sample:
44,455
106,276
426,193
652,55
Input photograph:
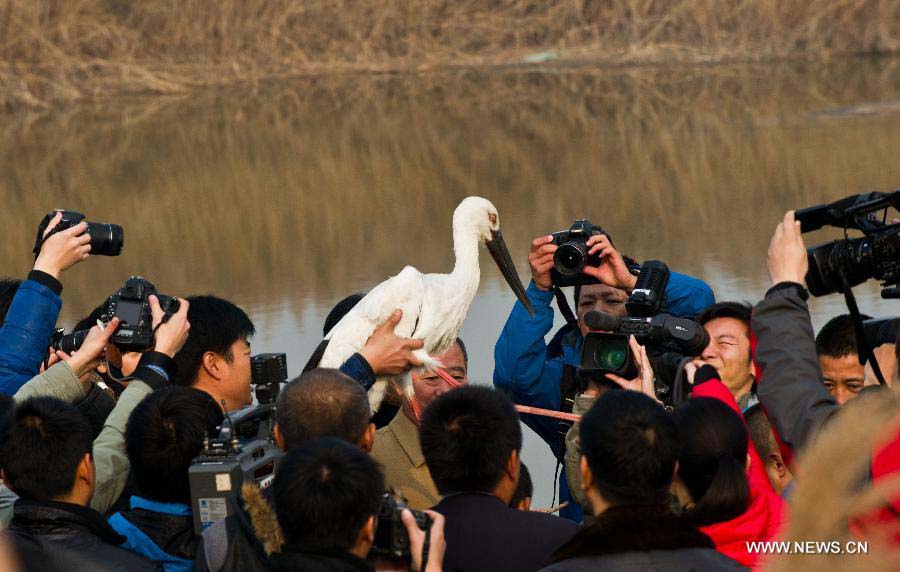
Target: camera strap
563,304
863,349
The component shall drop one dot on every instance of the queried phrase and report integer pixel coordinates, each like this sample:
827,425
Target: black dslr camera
106,239
874,255
572,255
68,343
131,304
391,538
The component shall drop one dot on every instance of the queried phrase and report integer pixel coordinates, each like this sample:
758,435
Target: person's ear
780,468
512,467
211,363
369,529
368,439
587,477
279,437
85,472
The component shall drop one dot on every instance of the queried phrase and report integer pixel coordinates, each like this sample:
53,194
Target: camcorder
391,538
244,451
880,331
842,264
131,304
670,341
106,239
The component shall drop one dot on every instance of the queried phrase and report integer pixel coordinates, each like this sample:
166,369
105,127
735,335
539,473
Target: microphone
601,321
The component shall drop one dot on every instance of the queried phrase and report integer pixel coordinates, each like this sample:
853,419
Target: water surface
285,198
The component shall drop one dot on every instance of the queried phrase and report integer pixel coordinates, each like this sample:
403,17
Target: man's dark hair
8,289
760,430
631,446
737,310
524,489
340,310
837,338
467,436
462,348
711,460
164,434
216,324
322,403
324,492
90,320
45,442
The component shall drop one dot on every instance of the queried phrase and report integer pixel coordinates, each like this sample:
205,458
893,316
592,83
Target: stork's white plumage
434,305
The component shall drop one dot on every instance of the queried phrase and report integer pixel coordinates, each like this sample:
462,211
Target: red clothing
765,514
761,521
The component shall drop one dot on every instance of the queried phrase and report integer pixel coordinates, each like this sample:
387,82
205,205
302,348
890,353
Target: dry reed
64,50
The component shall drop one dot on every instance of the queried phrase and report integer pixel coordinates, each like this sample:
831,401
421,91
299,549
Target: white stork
434,305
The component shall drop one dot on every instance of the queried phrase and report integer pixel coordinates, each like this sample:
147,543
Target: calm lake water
285,198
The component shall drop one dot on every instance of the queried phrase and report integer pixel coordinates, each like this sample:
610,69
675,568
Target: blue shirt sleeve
688,296
521,367
359,369
25,334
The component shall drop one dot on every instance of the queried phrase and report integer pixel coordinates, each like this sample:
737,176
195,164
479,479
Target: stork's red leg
451,381
417,411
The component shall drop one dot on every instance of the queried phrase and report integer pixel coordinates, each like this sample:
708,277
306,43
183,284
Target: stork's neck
465,271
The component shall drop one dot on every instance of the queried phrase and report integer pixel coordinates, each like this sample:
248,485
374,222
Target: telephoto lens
107,239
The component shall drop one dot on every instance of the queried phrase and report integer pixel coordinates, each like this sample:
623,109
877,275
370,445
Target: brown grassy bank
54,51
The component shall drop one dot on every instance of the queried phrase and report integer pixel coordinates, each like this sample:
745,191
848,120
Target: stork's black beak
497,247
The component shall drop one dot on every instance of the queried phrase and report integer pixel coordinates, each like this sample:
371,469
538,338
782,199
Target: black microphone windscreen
601,321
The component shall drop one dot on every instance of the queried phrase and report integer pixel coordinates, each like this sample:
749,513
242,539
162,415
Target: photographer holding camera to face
545,375
63,240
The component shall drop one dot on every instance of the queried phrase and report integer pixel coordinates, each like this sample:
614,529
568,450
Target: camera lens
106,239
569,258
611,355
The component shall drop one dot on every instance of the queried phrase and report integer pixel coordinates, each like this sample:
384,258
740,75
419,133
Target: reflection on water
286,198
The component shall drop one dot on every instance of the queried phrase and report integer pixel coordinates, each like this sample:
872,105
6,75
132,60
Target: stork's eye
493,218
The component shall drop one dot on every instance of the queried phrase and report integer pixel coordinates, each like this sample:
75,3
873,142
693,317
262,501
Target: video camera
243,452
669,340
874,255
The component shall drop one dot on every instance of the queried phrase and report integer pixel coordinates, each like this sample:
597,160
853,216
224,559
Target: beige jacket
397,449
110,459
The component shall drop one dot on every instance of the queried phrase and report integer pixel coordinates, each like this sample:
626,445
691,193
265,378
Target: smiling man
728,326
397,445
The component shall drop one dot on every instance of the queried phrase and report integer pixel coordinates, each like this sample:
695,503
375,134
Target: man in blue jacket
32,315
537,374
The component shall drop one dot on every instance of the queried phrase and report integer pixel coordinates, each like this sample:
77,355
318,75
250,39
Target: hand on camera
612,270
787,254
172,335
437,544
540,259
886,356
388,353
64,248
644,381
91,352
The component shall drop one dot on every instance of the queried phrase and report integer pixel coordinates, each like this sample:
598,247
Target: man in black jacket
46,460
629,447
471,441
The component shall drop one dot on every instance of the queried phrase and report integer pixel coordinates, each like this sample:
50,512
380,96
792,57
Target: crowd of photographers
135,442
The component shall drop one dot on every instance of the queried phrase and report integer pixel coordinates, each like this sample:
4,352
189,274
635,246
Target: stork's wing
404,291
